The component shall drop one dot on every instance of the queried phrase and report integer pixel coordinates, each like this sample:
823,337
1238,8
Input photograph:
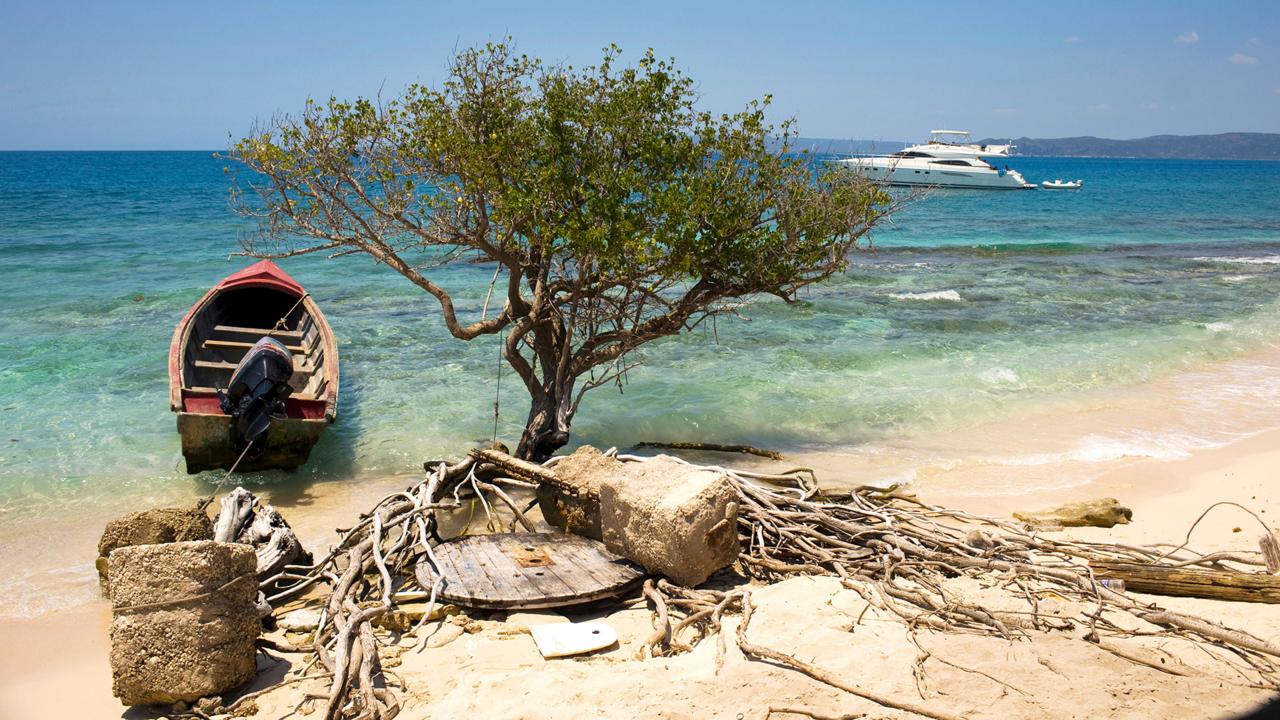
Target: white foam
906,477
1101,449
1243,259
1217,327
947,295
1237,278
34,593
1000,376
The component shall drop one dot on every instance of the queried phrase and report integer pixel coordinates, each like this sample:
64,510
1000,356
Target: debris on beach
572,502
152,527
555,640
525,571
187,608
936,570
1212,583
407,616
243,519
1101,512
674,519
184,620
1270,548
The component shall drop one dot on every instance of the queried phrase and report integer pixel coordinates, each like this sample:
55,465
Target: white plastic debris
565,639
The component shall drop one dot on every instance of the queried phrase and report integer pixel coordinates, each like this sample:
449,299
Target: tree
615,212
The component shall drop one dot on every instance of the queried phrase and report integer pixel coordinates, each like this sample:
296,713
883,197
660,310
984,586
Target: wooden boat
210,342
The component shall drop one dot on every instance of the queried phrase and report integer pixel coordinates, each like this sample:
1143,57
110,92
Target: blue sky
182,75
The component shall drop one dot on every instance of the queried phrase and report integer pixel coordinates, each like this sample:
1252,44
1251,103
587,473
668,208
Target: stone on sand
152,527
1100,512
671,518
302,620
184,620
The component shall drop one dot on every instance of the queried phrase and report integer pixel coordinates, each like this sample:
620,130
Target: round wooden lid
527,571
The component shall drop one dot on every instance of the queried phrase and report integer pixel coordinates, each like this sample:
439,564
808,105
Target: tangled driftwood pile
899,554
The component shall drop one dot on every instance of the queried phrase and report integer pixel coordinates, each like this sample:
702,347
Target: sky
134,74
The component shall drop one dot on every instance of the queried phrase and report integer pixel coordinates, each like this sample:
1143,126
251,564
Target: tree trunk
1192,582
547,429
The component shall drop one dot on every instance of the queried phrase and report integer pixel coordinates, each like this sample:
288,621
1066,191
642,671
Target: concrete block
675,520
152,527
578,511
184,620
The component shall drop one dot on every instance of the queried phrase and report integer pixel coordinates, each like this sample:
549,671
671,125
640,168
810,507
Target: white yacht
947,160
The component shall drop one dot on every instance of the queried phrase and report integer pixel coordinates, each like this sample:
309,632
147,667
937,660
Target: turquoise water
970,305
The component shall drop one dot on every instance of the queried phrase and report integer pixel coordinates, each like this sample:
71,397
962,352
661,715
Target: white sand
56,667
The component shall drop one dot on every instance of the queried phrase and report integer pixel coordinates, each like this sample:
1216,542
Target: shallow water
971,309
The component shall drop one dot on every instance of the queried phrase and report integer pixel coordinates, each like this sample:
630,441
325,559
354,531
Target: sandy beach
56,666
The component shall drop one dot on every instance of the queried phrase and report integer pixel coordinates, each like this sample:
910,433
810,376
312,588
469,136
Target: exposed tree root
895,551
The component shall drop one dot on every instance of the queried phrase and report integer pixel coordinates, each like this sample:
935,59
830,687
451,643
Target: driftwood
521,469
242,519
893,550
898,552
1270,552
1192,582
715,447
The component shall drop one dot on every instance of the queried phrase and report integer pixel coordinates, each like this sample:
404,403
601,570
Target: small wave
1101,449
35,593
1217,327
1237,278
1000,376
1243,259
906,477
946,295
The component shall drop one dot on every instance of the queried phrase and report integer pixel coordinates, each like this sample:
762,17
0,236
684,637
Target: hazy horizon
152,76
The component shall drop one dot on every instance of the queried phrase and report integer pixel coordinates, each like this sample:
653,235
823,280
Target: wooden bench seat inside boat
257,332
237,345
298,368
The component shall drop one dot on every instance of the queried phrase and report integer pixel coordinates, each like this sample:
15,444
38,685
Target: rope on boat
280,323
236,464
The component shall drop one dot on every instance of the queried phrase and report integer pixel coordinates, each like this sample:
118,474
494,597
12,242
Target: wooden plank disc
527,571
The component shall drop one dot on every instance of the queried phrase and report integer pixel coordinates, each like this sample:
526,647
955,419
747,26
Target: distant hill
1226,146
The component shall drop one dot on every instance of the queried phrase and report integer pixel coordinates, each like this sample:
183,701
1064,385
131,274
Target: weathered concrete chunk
183,620
673,519
152,527
578,511
1101,512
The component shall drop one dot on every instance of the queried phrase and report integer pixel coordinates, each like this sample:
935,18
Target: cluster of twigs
367,573
898,554
894,551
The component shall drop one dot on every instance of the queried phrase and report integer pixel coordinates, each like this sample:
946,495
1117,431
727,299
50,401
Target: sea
1028,336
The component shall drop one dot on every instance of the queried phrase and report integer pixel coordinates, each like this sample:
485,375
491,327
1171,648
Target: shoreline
46,655
1042,448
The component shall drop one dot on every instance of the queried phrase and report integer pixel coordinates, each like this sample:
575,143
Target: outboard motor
256,392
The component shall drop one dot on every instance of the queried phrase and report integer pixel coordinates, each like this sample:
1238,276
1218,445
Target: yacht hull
932,174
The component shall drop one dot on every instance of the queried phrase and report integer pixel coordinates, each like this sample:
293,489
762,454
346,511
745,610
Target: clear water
971,306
